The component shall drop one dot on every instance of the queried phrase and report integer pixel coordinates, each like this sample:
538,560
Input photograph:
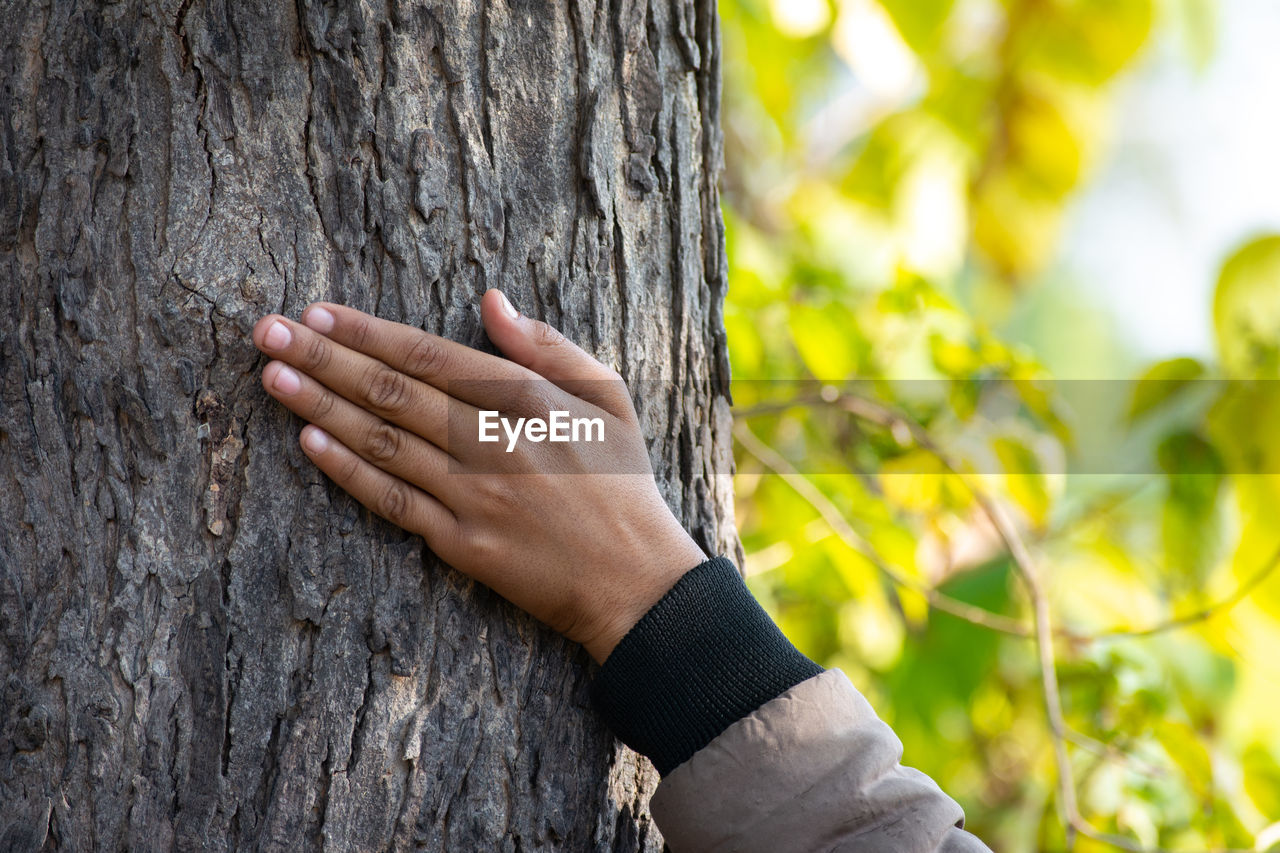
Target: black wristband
702,658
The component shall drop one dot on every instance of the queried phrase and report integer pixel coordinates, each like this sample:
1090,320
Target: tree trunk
203,643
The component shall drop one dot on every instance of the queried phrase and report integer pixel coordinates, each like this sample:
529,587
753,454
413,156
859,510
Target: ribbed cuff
701,659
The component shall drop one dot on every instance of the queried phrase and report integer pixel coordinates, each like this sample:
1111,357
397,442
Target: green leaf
1024,479
1190,521
827,340
1246,310
1162,382
919,21
1088,41
1262,779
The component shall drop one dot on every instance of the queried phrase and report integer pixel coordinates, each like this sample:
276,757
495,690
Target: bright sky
1193,171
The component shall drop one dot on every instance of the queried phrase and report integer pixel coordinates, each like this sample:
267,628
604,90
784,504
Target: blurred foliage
897,176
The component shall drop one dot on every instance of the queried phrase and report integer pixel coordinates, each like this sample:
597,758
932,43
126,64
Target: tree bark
204,643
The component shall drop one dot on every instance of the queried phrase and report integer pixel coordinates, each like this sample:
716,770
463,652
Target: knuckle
495,492
388,391
625,407
323,404
316,354
360,332
382,443
427,358
393,503
350,468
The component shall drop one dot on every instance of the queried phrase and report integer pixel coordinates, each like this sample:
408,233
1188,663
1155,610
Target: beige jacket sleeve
811,770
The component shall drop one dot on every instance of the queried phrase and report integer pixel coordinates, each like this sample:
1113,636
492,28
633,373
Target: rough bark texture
203,644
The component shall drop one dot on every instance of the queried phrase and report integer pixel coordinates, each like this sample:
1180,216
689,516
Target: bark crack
366,702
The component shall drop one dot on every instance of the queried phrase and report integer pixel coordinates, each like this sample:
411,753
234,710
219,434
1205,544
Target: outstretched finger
366,382
474,377
390,497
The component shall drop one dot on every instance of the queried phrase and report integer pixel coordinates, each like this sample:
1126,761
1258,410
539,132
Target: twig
1043,622
882,416
832,515
1111,752
1087,830
1204,614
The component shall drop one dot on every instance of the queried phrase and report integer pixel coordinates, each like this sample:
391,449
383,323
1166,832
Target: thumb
548,353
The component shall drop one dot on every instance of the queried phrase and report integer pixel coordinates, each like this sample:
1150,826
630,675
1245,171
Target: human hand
575,533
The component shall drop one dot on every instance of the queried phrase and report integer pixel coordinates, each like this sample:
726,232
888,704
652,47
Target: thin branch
1043,622
1089,831
1205,613
834,518
898,424
1111,752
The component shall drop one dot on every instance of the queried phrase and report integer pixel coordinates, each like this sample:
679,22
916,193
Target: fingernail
319,319
315,439
286,381
278,336
507,307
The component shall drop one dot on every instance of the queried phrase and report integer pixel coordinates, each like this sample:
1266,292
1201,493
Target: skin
574,533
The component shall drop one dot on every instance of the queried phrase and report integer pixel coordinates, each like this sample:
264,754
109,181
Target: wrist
705,656
650,577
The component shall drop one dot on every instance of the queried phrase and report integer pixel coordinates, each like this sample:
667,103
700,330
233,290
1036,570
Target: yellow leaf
914,481
1014,225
